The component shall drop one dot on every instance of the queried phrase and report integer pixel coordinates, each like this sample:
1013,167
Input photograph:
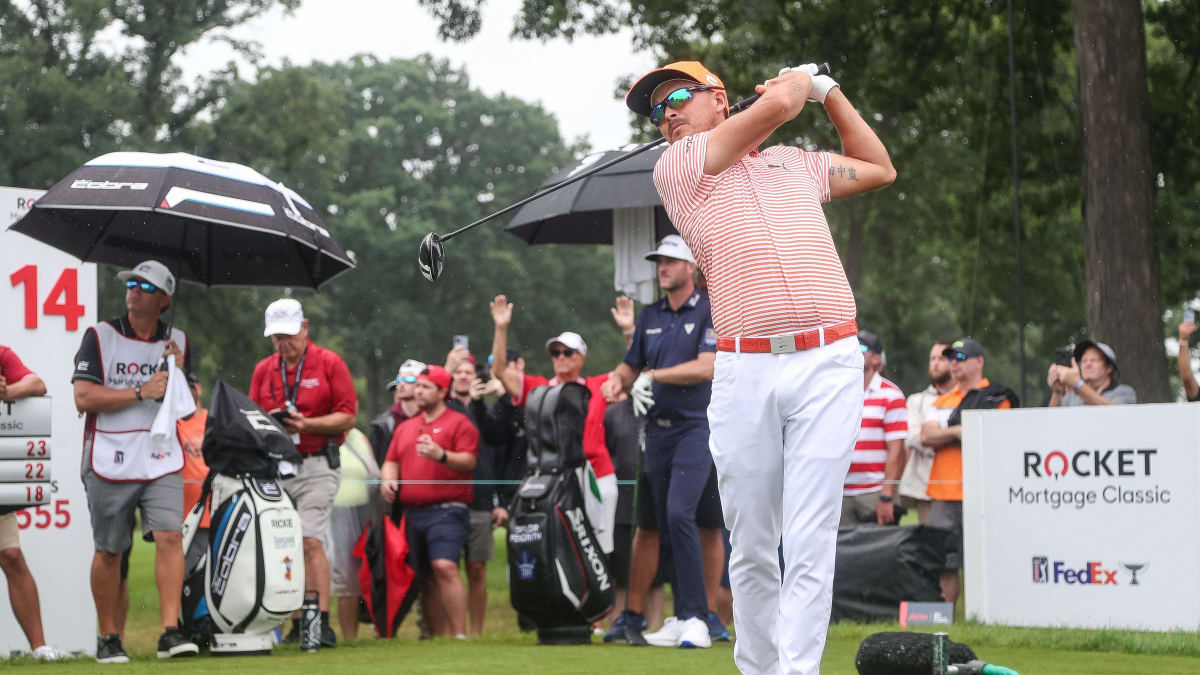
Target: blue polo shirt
664,337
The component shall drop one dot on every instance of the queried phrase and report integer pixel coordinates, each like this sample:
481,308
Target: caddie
787,391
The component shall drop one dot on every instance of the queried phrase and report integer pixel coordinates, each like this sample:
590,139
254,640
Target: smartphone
1189,315
462,341
280,415
1064,356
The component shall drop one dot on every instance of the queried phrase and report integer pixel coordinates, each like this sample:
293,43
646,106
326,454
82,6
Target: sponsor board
1067,510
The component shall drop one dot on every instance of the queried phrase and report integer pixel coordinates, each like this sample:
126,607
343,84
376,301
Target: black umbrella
582,213
212,222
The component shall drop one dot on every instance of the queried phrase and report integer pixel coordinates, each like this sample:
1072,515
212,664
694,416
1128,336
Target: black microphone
899,653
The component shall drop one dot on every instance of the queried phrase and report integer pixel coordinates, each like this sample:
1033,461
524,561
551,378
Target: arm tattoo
840,171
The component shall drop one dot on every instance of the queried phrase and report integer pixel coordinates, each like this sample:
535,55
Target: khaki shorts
480,544
313,489
112,507
9,533
346,526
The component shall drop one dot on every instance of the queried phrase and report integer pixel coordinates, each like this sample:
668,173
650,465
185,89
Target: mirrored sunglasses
676,100
567,352
863,348
406,379
959,356
146,286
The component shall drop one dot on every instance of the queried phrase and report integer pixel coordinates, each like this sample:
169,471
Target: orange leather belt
791,342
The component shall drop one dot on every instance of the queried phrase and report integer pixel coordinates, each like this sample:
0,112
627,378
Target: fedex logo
1091,574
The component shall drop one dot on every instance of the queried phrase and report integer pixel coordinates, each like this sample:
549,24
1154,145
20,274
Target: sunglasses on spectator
146,286
568,352
676,100
959,356
406,378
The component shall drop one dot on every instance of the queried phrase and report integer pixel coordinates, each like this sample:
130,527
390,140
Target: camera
1064,356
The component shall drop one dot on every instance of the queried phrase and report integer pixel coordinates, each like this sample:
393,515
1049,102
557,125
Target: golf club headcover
899,653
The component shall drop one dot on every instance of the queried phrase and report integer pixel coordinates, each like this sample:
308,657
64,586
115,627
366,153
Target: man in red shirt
436,445
309,388
567,354
17,381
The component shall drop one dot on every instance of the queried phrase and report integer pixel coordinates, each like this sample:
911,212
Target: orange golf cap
638,98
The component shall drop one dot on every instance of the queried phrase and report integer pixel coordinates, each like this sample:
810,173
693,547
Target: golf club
432,256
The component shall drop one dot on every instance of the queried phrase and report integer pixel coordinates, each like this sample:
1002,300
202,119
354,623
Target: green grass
503,649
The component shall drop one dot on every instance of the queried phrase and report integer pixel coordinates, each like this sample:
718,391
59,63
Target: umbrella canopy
582,213
212,222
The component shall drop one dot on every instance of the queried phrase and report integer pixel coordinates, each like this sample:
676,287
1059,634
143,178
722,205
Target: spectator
503,428
195,471
668,372
1190,389
869,493
437,445
403,407
355,506
17,382
945,437
312,387
1091,379
121,469
914,482
466,396
567,354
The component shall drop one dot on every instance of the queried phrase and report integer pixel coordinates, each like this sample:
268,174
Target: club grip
822,69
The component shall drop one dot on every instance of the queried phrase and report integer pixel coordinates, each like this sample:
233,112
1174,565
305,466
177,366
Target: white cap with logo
410,367
154,272
284,317
570,340
672,246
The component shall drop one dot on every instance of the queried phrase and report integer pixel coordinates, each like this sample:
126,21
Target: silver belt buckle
782,344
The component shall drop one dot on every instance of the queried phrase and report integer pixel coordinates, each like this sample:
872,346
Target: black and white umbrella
582,213
212,222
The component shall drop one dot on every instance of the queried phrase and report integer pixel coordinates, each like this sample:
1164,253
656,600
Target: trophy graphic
1134,569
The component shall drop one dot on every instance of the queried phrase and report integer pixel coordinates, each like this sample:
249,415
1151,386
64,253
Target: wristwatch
445,457
885,499
137,391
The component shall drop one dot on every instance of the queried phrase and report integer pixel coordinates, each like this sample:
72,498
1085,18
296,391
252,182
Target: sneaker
716,630
48,653
695,634
174,642
328,637
109,650
668,635
635,629
293,636
616,632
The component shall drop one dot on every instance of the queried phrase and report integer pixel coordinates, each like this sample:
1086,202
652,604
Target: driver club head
432,257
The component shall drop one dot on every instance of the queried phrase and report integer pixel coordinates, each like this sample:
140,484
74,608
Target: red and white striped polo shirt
885,418
759,233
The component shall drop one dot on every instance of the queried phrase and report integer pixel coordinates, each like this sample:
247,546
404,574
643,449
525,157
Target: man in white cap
1091,379
567,353
117,382
668,372
310,389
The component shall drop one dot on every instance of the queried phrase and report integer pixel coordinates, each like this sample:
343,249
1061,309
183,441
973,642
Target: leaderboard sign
1086,516
49,300
25,445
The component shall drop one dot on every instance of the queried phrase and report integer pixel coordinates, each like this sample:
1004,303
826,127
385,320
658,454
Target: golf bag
251,574
558,576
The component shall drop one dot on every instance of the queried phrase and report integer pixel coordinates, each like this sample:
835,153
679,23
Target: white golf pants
783,427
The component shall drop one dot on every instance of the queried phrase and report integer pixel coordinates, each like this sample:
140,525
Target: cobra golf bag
558,576
250,576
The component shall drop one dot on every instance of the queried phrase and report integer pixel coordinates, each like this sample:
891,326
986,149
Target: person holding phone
1190,388
309,389
1091,379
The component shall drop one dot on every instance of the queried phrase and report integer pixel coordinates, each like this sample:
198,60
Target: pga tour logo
1092,573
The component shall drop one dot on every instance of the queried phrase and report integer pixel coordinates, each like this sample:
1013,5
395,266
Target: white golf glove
821,84
643,397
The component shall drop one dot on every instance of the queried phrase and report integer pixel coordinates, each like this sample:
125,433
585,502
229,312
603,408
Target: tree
1123,302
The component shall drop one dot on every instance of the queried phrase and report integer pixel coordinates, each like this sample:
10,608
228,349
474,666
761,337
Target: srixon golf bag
251,574
558,576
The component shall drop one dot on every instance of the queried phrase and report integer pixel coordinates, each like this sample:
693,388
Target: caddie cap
638,97
283,317
154,272
672,246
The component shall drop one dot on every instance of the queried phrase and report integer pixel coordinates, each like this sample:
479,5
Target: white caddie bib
119,442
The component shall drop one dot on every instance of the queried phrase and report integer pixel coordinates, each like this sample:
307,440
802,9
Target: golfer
787,390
